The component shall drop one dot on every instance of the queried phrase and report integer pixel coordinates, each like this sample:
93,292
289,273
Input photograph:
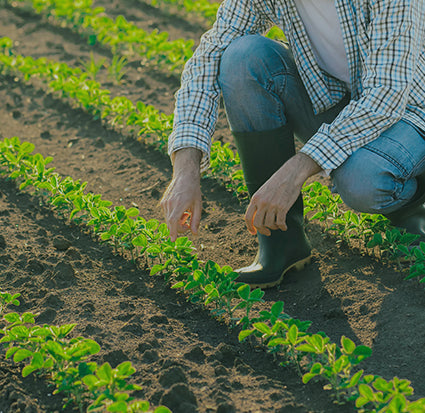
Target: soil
184,358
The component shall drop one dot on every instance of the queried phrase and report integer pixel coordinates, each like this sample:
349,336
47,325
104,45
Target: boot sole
298,266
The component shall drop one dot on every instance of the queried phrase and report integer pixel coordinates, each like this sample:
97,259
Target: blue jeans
262,90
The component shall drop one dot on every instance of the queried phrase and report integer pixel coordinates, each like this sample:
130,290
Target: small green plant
120,35
92,67
116,69
64,361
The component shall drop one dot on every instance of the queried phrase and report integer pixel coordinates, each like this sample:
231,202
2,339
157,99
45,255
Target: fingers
281,220
249,217
264,218
181,210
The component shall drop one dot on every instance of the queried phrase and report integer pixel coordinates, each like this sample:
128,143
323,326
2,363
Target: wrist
305,167
186,162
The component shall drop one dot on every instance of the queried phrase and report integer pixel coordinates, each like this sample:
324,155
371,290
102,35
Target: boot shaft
262,154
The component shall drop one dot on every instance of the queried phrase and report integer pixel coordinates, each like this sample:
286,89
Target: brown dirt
183,357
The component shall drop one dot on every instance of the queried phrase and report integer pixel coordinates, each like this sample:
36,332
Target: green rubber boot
262,154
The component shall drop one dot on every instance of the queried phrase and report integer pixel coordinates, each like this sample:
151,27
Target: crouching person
350,85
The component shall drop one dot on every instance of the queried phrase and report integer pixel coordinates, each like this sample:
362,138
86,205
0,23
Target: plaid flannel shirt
384,42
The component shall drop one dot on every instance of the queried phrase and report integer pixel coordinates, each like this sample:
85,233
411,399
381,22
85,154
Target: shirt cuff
325,151
191,136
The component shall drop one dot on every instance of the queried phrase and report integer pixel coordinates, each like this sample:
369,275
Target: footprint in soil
115,357
180,399
47,316
64,275
34,267
134,328
171,376
195,354
88,309
53,300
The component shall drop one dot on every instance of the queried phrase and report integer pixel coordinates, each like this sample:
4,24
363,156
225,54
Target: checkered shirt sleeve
392,83
195,114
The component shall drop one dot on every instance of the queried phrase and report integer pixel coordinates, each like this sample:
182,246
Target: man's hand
270,204
181,203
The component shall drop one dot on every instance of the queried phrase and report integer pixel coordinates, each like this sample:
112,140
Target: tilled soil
184,358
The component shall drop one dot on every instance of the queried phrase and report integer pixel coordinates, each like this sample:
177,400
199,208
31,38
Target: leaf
307,377
362,352
11,352
91,346
37,360
293,334
277,308
162,409
257,294
120,406
156,269
12,317
361,401
125,369
381,384
64,330
277,342
366,391
27,370
104,372
90,381
347,345
22,354
243,291
177,285
307,348
244,334
132,212
263,328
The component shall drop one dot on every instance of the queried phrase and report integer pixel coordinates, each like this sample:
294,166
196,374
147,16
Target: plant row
51,351
148,243
150,125
203,8
373,231
208,11
119,35
124,37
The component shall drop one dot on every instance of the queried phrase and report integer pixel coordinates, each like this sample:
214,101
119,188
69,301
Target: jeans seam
278,94
390,159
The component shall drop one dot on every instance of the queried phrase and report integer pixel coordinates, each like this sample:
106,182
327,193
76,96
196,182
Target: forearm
301,167
186,162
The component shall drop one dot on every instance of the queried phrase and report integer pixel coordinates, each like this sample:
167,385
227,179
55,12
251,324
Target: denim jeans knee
252,76
380,177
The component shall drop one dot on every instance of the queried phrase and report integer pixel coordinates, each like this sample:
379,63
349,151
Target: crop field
99,311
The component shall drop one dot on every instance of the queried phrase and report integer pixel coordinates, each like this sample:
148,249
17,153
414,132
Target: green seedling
92,67
63,360
116,69
7,299
248,299
109,386
387,396
119,34
336,364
